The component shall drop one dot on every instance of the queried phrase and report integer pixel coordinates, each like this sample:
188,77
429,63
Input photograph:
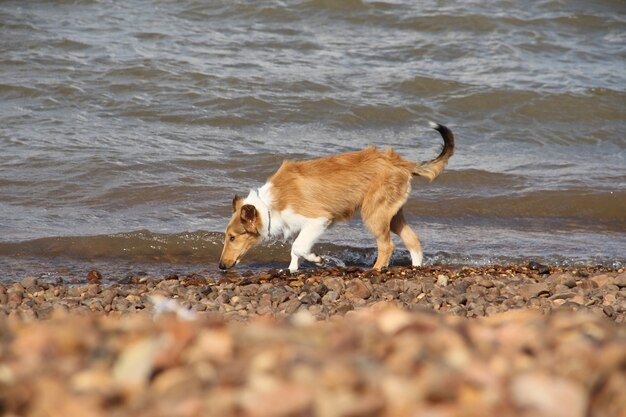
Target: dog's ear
237,203
249,216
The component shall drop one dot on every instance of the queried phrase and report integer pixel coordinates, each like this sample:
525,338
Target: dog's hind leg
379,223
380,205
385,249
400,227
301,247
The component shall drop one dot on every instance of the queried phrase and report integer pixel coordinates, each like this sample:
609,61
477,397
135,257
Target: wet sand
518,340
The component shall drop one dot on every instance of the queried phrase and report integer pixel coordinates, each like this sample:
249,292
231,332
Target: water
127,127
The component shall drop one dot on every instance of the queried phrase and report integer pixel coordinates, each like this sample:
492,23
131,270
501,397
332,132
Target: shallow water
127,127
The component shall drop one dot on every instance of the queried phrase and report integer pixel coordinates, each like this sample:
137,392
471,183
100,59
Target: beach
126,129
514,340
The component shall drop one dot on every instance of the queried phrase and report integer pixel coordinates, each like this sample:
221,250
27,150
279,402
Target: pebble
620,280
94,276
528,291
442,280
536,266
29,282
376,360
356,288
549,396
334,317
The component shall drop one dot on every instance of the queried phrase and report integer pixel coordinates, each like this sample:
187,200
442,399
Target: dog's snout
222,266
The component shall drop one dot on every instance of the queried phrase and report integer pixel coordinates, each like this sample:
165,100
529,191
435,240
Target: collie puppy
303,198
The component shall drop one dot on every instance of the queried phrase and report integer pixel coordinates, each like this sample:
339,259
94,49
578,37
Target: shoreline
515,340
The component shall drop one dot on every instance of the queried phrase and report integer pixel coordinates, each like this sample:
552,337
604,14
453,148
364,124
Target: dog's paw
314,259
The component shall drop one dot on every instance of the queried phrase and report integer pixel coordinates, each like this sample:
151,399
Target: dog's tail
432,169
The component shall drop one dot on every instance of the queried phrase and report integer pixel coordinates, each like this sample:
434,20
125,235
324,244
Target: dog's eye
232,238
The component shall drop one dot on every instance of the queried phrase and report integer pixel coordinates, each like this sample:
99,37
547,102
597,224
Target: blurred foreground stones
434,341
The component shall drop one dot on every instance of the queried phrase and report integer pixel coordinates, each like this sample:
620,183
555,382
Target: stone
356,288
290,306
562,295
135,363
335,284
279,295
487,283
280,401
549,396
94,276
330,297
29,282
528,291
442,280
620,280
609,310
536,266
265,304
601,279
569,281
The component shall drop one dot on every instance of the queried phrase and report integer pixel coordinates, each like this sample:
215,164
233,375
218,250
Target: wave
205,248
563,208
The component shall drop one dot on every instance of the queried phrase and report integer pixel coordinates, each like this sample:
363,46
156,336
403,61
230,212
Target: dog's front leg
301,247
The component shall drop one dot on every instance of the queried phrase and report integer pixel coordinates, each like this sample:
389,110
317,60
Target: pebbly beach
515,340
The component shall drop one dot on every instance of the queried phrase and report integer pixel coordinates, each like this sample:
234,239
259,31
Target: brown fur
242,232
336,186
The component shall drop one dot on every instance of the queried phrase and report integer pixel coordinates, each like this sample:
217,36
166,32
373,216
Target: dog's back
335,187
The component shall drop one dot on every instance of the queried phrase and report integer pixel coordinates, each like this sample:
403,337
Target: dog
303,198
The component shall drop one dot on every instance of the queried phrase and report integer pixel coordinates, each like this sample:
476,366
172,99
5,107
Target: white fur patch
417,258
308,230
261,199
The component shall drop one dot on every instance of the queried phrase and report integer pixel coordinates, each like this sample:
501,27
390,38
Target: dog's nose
222,266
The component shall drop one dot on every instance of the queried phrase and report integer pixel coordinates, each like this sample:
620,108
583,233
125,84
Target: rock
609,310
29,282
528,291
94,276
442,280
310,298
392,320
356,288
620,280
330,297
321,290
569,281
265,304
563,295
279,295
536,266
487,283
135,364
549,396
601,279
290,306
335,284
16,288
15,297
280,401
90,290
107,295
75,291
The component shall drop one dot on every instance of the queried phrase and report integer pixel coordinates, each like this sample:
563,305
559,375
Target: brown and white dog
304,198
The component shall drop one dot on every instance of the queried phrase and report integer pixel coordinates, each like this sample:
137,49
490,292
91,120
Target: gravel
515,340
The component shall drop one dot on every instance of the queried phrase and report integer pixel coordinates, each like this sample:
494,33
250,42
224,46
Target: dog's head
242,233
